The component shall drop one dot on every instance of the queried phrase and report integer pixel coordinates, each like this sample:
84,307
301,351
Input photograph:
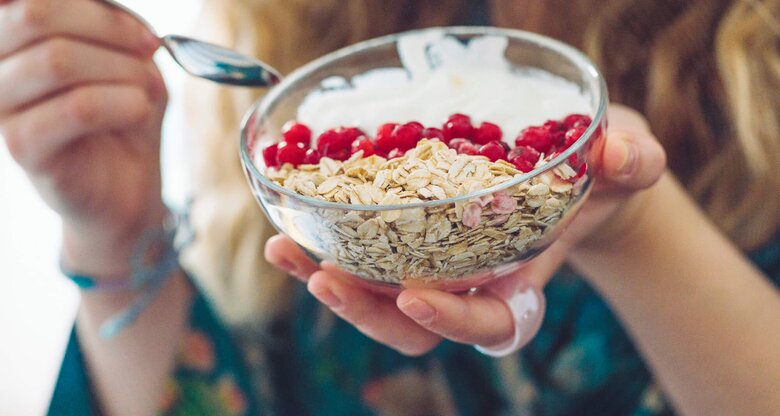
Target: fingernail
328,298
419,310
630,155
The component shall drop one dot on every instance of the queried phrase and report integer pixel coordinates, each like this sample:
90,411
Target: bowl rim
576,56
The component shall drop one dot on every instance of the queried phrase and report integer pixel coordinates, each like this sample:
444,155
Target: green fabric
581,363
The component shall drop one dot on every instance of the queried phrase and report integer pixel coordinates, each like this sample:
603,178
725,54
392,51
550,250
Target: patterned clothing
581,363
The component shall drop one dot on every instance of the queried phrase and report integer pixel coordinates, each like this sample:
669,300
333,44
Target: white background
37,305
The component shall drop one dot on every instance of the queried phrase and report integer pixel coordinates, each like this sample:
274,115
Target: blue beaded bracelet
173,236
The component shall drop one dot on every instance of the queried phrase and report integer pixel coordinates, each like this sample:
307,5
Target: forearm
705,319
128,372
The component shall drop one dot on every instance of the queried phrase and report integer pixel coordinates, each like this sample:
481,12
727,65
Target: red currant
455,143
407,136
493,151
365,144
554,126
524,158
416,124
292,153
312,157
295,132
349,135
468,148
340,154
385,140
328,140
486,133
576,120
270,156
433,133
458,126
538,137
572,135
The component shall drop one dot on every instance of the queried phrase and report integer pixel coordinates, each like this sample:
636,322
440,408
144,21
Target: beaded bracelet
175,235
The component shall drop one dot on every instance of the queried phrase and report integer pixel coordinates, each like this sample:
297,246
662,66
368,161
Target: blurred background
37,305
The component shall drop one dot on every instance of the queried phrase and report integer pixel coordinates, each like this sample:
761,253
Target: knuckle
58,59
82,105
137,106
34,13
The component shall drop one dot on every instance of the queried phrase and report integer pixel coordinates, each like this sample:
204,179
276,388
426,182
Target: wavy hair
706,73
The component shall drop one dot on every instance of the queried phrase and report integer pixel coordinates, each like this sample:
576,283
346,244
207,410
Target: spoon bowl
209,61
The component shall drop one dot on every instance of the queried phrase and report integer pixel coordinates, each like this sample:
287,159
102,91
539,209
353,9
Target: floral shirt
312,363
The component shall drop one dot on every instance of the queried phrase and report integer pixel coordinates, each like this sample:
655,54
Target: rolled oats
437,242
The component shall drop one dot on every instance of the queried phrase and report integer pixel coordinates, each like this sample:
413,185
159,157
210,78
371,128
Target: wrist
636,223
105,251
648,222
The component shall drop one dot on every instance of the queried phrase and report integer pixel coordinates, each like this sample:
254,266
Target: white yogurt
442,76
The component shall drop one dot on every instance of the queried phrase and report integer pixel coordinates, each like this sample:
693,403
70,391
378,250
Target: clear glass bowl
426,244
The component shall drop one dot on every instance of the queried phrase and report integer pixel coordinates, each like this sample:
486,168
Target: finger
61,63
632,157
482,319
36,135
287,256
621,116
373,314
24,22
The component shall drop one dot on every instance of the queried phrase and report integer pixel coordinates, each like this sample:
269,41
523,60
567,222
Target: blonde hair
227,257
705,72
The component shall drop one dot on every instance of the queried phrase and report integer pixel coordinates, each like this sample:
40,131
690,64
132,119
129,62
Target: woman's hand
418,319
80,111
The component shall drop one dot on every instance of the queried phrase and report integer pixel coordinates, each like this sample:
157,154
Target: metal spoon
212,62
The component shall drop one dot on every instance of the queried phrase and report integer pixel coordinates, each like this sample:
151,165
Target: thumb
632,158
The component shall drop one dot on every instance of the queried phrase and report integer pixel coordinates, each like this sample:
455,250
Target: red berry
583,170
538,137
554,126
335,140
459,116
486,133
468,148
557,130
416,124
328,140
312,157
575,120
270,156
493,151
458,126
365,144
522,165
293,153
385,140
524,158
395,153
407,136
295,132
349,135
340,154
574,161
455,143
433,133
573,135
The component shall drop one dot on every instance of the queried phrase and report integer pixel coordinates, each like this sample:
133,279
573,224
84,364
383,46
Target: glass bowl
389,247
